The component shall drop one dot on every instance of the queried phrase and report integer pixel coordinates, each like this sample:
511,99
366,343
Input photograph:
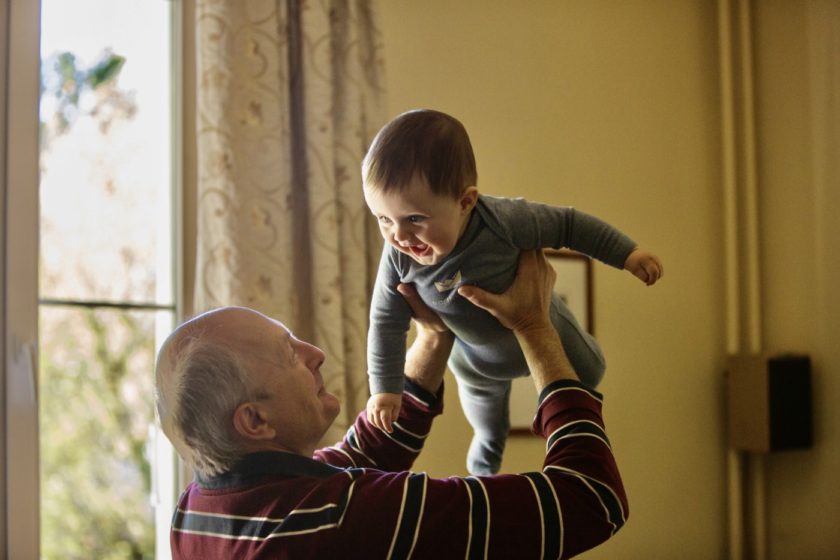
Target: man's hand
524,309
383,409
424,317
645,266
525,304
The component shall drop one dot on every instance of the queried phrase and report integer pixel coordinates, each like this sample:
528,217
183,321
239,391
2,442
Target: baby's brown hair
422,142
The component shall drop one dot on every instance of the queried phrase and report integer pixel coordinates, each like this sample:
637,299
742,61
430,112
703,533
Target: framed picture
574,286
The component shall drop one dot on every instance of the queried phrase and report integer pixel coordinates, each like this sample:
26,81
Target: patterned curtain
289,97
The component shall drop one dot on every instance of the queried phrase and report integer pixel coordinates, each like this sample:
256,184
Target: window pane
96,407
105,149
106,234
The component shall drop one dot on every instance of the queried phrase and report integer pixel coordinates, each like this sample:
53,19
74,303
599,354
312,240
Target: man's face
286,374
414,220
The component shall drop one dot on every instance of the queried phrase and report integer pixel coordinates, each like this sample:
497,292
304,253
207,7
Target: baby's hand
645,266
383,409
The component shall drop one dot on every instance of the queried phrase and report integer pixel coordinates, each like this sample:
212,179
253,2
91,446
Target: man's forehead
257,336
233,317
241,325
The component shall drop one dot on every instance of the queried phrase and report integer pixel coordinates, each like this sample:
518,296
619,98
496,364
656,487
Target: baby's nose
401,233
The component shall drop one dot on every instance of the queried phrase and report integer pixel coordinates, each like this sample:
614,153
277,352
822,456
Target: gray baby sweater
486,255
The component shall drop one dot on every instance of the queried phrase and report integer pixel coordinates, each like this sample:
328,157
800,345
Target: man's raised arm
574,503
366,445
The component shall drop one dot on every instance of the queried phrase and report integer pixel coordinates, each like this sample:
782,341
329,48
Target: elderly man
244,403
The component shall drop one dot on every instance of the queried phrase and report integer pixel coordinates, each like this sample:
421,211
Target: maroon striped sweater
358,499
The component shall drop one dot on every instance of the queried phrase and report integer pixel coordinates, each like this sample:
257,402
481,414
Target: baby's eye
384,220
415,219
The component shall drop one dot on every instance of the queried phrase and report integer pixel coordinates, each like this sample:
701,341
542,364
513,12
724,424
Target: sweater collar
268,463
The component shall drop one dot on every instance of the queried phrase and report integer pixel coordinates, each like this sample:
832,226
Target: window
106,275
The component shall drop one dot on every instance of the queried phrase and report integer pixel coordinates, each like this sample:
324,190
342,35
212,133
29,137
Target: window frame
20,21
21,84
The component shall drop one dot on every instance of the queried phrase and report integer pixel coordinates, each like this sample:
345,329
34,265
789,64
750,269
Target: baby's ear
468,199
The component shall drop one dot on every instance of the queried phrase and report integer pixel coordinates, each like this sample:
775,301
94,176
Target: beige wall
614,107
798,124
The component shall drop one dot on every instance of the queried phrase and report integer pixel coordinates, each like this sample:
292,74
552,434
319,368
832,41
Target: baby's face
423,225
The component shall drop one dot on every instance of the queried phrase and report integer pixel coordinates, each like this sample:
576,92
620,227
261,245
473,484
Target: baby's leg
583,350
486,405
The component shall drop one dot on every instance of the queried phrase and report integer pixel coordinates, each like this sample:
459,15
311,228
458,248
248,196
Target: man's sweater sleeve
574,503
365,445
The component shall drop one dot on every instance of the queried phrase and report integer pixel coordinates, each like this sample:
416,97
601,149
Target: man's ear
251,422
468,199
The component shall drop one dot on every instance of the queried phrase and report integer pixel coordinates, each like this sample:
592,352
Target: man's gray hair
206,382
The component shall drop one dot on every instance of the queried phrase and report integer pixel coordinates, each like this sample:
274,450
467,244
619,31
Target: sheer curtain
288,98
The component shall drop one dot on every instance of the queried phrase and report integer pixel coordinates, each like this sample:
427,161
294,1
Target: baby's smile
419,250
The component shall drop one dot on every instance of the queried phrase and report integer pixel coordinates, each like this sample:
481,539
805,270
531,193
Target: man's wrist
535,330
427,357
544,354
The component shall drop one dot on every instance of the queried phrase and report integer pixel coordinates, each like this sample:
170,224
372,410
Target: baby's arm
389,322
533,225
425,364
383,409
538,225
645,266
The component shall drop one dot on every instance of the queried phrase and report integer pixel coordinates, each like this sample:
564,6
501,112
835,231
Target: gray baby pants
485,400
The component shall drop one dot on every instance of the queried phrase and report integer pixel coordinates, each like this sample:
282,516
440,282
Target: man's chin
331,404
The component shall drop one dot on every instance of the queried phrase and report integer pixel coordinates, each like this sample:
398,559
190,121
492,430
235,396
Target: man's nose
314,356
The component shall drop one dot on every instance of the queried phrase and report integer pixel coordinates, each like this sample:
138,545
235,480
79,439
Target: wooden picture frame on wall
574,286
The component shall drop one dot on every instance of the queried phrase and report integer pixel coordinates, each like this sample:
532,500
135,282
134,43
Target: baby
419,179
